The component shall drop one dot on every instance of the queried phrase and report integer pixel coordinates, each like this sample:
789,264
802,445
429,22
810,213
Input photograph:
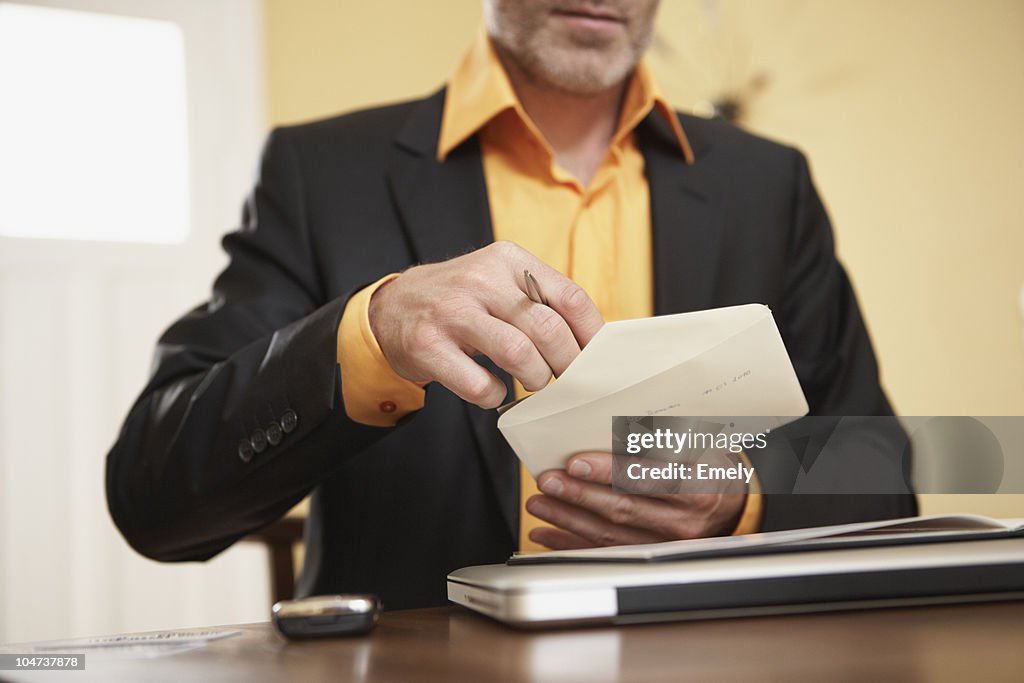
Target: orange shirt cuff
753,509
374,394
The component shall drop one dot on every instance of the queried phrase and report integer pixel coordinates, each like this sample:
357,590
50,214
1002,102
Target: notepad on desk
906,530
723,361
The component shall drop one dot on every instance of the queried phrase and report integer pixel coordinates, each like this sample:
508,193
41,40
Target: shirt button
288,421
387,407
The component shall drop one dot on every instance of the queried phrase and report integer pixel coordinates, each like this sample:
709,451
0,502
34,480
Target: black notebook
927,529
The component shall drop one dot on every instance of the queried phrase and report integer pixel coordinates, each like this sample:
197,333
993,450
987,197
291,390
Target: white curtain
77,326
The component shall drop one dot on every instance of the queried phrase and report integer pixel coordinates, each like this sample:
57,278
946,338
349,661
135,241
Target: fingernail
581,469
552,485
536,507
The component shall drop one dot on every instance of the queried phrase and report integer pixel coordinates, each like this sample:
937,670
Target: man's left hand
587,513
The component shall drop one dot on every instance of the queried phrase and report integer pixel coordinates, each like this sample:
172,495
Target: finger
510,348
558,539
587,525
563,295
548,331
467,379
667,519
599,467
594,466
573,303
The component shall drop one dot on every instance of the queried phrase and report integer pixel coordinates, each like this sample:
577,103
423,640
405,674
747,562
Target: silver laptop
542,595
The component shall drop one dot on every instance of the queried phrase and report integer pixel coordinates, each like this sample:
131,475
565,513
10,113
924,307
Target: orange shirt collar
479,90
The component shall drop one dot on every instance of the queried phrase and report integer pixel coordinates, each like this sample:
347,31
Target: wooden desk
956,643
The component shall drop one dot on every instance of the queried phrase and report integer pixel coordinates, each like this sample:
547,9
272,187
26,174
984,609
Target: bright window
93,127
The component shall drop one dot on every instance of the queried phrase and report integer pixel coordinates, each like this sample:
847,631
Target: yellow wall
909,110
328,56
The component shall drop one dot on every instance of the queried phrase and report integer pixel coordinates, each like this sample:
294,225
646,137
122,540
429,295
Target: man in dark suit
326,360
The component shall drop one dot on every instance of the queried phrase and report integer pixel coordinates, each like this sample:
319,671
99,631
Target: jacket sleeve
242,415
829,345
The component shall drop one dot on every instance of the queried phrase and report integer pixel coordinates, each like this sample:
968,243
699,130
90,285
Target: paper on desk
722,362
135,645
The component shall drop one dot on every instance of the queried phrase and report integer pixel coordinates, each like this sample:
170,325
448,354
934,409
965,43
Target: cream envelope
722,362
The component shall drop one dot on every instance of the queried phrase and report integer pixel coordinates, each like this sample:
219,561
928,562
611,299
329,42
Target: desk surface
967,642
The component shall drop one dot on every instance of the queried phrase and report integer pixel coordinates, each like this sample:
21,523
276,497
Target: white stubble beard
573,68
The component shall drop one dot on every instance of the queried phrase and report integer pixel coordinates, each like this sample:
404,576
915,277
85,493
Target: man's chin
583,74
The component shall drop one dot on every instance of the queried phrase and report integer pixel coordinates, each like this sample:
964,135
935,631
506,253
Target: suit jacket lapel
685,221
443,206
445,213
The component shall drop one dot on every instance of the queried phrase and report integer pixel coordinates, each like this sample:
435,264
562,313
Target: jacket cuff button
245,451
289,421
258,441
387,407
274,433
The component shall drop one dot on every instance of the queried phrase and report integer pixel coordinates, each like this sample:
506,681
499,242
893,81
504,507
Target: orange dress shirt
598,235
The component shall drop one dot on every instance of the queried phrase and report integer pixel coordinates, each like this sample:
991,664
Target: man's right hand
431,320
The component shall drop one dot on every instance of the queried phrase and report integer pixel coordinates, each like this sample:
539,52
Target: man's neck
579,128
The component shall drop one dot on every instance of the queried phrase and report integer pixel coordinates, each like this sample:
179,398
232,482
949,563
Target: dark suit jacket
340,203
